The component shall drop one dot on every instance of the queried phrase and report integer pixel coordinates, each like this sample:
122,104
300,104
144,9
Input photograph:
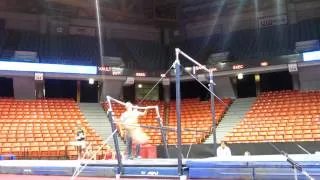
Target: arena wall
24,87
309,78
112,88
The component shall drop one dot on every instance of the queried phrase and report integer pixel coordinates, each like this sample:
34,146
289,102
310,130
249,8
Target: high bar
191,59
109,98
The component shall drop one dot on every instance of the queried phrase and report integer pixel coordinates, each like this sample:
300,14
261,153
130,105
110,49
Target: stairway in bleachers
236,112
97,118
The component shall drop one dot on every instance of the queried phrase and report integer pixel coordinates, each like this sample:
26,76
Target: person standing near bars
133,133
81,140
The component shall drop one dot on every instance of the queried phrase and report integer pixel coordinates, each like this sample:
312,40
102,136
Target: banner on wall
81,30
273,20
112,61
108,70
27,56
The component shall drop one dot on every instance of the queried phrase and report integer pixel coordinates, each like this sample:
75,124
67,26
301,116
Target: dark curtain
129,93
6,87
246,87
161,92
190,89
61,88
251,44
276,81
88,92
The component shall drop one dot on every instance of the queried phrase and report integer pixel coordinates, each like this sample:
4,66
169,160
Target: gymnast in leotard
133,133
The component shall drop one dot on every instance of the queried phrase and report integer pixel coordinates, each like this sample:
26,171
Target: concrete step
233,116
97,118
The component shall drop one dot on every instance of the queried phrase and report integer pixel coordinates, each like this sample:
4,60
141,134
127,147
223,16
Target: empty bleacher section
243,45
252,44
195,114
280,117
69,50
42,129
147,54
147,120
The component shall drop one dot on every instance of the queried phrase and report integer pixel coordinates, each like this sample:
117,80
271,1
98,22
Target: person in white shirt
81,138
133,131
223,150
247,153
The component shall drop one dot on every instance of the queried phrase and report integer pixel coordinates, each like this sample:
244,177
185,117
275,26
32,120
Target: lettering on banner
153,173
141,74
82,30
150,173
238,66
105,69
273,20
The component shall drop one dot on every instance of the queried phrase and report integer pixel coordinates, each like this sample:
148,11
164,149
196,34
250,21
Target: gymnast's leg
129,145
138,151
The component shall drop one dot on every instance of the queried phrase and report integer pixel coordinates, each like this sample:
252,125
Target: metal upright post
178,110
116,143
211,84
163,136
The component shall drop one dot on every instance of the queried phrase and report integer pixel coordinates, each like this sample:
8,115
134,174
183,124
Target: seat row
43,132
279,123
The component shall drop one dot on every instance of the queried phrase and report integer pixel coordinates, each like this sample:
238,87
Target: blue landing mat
236,167
254,167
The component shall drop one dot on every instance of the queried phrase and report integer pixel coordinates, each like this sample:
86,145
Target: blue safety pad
151,171
55,171
210,173
98,172
222,164
9,156
284,173
283,164
281,169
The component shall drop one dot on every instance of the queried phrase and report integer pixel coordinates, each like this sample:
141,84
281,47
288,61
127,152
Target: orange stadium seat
41,128
281,116
196,114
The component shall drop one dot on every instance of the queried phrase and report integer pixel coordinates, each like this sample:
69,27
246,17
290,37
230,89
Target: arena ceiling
155,12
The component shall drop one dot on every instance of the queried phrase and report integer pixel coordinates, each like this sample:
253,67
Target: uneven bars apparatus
178,104
115,136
